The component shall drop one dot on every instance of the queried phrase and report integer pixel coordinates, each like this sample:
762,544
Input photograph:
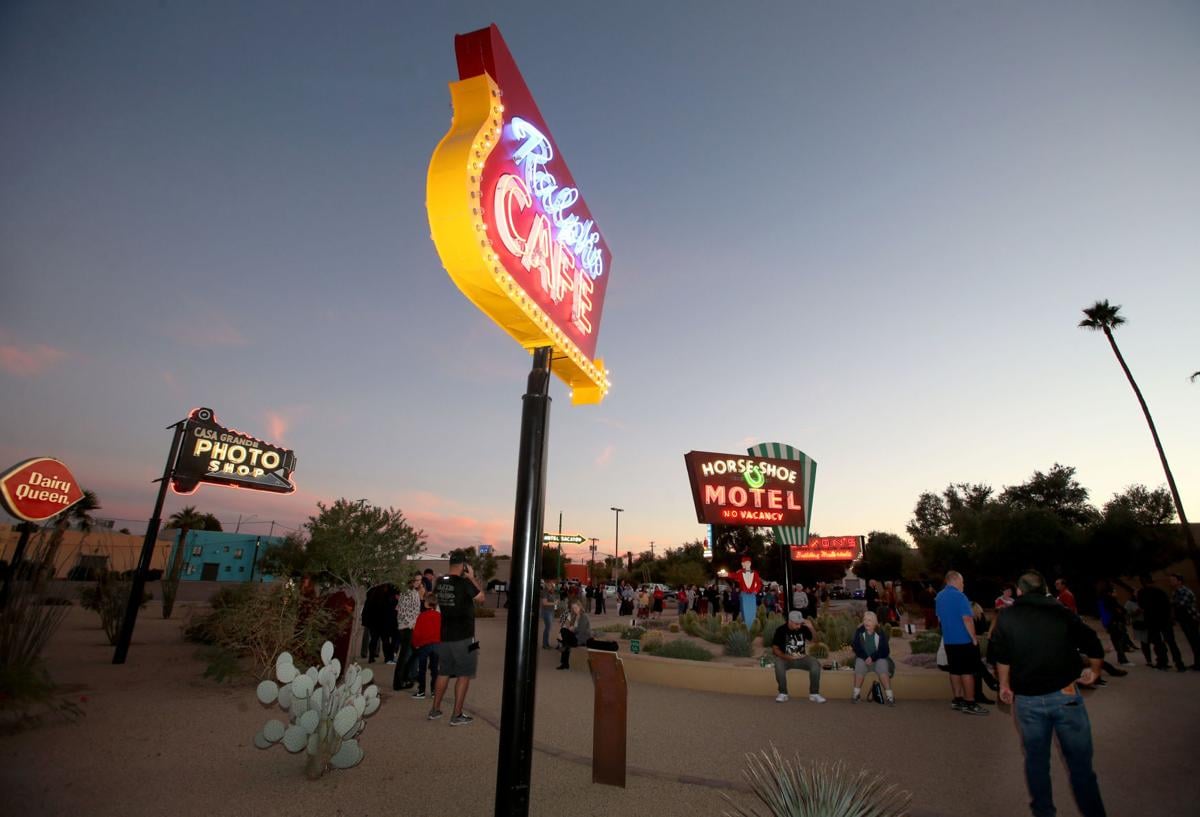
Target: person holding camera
458,653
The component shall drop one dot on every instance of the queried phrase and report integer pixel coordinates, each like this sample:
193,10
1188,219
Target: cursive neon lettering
532,155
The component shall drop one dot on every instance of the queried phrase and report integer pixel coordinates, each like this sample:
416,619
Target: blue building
216,556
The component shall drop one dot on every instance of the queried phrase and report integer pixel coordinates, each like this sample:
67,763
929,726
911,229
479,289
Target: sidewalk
158,739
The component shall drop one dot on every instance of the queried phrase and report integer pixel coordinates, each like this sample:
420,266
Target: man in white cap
791,652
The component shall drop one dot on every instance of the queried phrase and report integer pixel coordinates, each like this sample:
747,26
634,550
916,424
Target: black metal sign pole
10,573
515,759
139,575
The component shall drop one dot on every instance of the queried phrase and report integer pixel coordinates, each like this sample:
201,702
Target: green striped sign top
807,467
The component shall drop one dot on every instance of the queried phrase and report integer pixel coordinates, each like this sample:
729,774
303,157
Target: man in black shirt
458,653
790,651
1036,646
1156,606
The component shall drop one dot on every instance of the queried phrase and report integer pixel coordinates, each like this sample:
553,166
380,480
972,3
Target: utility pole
616,539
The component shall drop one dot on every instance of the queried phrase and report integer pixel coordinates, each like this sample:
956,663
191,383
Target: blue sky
866,230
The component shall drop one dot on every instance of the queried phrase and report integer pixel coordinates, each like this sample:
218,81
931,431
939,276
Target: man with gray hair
1036,646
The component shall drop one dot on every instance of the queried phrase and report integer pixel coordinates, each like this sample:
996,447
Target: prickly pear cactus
325,717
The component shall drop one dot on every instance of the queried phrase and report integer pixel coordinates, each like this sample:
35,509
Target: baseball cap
795,616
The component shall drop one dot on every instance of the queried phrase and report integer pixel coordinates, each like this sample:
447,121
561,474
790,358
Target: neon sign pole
517,238
139,575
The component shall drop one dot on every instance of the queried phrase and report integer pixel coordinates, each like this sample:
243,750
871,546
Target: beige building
101,547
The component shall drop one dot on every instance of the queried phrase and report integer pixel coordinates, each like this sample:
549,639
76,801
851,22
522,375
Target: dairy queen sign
37,489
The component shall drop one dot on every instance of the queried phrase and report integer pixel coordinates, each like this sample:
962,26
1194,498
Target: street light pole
616,541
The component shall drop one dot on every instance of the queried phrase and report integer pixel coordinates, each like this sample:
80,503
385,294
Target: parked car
858,594
838,592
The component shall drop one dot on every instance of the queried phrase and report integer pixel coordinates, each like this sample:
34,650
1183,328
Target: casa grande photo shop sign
37,489
211,453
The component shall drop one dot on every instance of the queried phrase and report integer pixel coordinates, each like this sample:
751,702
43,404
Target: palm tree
184,520
79,514
1106,317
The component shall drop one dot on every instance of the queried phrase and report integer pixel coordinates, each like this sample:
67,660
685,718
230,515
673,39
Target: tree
483,564
355,546
550,560
1056,491
681,574
1103,317
883,557
79,515
290,559
1145,506
185,520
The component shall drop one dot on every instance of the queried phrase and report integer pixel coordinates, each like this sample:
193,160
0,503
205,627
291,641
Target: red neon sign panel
537,222
827,549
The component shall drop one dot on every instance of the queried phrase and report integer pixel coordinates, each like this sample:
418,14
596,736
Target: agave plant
792,788
326,717
739,643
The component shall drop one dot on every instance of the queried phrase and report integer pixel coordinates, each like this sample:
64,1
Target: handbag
942,661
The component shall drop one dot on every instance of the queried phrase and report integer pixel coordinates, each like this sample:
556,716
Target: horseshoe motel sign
509,223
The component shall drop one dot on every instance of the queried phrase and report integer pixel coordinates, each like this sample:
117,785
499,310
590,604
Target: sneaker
1128,664
855,697
817,698
973,708
389,663
461,720
433,715
957,704
419,695
781,698
890,700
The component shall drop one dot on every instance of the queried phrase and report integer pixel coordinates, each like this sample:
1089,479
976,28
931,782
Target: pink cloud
28,361
277,426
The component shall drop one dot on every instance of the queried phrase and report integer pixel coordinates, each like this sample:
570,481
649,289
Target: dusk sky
863,229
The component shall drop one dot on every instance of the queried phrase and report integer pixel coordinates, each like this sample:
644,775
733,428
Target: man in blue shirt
962,644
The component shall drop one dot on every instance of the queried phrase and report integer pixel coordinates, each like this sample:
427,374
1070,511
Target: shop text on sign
37,489
733,489
222,456
509,222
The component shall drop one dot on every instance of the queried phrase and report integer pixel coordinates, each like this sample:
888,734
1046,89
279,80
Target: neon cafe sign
509,222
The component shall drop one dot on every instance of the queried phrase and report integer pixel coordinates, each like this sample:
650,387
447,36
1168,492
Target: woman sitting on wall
871,651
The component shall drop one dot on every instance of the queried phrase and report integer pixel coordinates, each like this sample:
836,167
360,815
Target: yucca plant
793,788
739,643
770,625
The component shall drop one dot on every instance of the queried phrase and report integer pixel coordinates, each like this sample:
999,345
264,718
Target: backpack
876,693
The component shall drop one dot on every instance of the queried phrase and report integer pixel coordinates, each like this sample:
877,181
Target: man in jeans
791,653
962,644
1036,645
549,602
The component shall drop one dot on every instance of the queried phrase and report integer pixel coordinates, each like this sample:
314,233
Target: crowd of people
1039,656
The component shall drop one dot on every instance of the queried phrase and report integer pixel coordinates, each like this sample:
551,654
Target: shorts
456,660
963,659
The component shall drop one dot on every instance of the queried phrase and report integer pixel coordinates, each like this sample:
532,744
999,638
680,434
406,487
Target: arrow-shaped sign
564,538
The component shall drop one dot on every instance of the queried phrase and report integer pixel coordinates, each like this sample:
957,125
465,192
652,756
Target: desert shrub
27,624
926,641
674,628
690,622
682,648
895,632
710,629
632,632
770,625
610,628
652,643
794,788
818,651
109,597
249,627
739,643
836,629
926,659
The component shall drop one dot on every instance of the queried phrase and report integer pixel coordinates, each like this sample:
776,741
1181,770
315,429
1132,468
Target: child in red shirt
426,633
